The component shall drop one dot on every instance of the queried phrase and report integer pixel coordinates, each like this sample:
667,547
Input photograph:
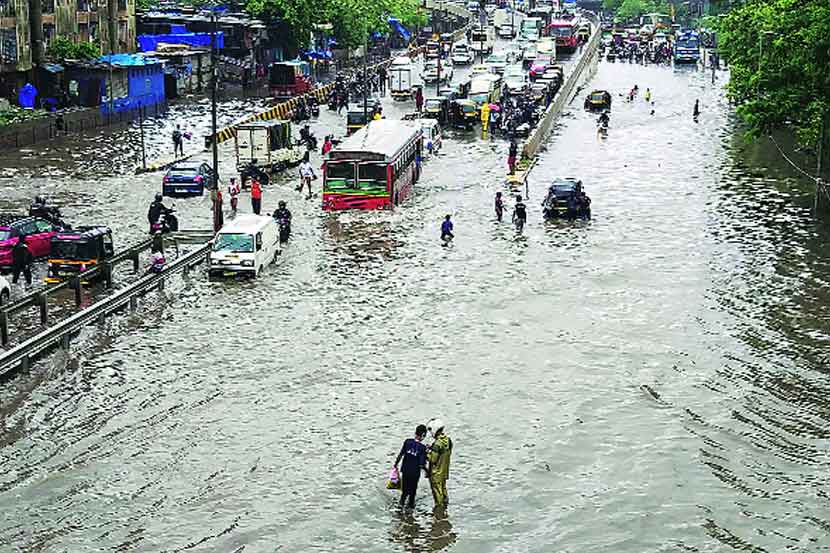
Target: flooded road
653,380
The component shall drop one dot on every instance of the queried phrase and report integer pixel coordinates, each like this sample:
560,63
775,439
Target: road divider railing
103,271
60,334
531,146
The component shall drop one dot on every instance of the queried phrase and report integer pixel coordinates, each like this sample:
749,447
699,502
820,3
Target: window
28,228
43,226
339,176
258,241
235,243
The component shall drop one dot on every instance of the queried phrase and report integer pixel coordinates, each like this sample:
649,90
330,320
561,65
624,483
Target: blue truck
687,47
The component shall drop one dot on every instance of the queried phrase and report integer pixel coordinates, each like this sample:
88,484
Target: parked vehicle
244,246
267,145
376,168
78,250
38,233
400,78
289,78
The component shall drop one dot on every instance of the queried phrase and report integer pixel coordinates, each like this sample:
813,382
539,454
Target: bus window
372,177
339,176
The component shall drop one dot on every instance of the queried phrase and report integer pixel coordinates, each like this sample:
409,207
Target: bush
61,49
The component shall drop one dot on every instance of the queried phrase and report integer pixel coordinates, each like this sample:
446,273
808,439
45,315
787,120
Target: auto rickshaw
77,250
566,199
437,108
598,100
355,118
463,114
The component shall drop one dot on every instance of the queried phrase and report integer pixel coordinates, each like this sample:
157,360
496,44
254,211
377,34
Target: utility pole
365,82
819,182
214,193
141,127
438,73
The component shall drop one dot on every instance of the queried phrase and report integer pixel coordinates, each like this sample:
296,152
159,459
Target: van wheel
4,297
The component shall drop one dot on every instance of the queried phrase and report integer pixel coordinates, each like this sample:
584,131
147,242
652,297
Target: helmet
434,425
159,197
281,203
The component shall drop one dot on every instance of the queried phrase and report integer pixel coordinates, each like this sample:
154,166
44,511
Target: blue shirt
414,456
446,227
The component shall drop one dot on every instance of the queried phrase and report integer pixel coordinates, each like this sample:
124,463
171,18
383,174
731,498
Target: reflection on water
651,380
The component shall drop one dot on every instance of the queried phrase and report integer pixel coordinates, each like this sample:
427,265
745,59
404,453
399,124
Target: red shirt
256,190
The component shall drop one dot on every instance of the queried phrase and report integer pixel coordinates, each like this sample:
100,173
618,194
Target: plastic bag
394,481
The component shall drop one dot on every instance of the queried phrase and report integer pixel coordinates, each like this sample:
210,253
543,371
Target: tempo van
244,246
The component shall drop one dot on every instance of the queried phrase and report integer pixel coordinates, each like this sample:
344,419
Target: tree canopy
779,55
352,20
61,48
632,9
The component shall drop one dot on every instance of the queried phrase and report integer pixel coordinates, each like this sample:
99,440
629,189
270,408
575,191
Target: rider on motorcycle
49,212
283,218
157,209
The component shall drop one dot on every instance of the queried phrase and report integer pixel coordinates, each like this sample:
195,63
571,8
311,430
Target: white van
244,246
430,136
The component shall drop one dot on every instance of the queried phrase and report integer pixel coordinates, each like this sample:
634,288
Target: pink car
38,233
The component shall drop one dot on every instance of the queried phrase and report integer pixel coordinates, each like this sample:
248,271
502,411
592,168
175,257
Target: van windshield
231,242
78,250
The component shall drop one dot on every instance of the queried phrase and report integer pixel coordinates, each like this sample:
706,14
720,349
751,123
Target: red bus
374,168
565,32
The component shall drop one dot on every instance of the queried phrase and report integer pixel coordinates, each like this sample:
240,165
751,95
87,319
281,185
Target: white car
5,291
498,61
462,55
430,73
515,78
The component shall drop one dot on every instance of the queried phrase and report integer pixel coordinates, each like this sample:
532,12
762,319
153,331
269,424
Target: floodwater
652,380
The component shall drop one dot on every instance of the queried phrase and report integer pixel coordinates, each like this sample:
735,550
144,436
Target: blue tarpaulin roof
396,24
128,60
149,43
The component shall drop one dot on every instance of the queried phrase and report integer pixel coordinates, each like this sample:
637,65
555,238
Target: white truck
400,78
503,22
482,40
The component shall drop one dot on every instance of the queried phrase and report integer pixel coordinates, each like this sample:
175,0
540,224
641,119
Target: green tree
779,55
61,48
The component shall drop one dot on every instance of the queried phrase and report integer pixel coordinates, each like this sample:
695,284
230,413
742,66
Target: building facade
27,27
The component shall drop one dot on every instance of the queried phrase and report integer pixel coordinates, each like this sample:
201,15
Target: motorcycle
308,138
285,230
166,223
314,107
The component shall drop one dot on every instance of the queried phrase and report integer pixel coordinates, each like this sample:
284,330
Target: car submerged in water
187,178
566,199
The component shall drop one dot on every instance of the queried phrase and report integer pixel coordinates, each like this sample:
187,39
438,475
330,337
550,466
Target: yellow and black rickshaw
463,114
598,100
77,250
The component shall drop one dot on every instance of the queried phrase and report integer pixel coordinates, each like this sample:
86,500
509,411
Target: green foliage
779,55
352,20
633,9
62,48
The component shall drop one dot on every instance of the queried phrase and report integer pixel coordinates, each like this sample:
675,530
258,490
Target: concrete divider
586,63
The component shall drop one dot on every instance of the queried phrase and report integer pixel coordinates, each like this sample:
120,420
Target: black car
187,178
566,200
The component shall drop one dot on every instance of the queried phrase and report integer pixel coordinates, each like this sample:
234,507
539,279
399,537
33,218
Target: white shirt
306,170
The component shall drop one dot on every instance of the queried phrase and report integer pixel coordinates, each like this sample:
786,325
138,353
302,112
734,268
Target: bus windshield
561,32
339,176
234,242
372,178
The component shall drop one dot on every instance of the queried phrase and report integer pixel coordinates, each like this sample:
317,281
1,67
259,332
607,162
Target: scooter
167,223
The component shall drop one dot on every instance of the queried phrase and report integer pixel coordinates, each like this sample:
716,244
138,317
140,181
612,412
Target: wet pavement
651,380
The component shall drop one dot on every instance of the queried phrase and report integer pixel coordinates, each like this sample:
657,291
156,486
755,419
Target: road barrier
39,298
531,146
61,333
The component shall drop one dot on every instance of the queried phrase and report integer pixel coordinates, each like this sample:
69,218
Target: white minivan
244,246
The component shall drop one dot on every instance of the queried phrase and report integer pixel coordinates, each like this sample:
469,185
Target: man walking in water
499,206
178,147
511,156
446,230
414,455
696,111
519,214
439,454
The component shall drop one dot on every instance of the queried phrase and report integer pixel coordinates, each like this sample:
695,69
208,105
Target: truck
482,40
687,47
400,78
503,22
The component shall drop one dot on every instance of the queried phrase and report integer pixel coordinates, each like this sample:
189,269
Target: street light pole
365,83
141,126
214,194
438,72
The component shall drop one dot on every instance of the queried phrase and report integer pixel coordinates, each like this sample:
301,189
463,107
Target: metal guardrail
22,354
531,146
39,298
